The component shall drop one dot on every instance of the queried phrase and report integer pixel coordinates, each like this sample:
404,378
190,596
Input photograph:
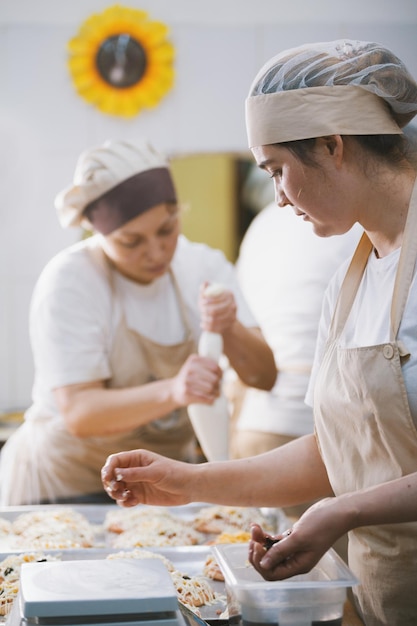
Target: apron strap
183,310
406,265
100,258
350,286
403,279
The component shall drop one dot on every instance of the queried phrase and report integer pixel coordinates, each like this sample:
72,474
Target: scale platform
96,593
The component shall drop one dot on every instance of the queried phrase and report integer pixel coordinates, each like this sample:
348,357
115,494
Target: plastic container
313,599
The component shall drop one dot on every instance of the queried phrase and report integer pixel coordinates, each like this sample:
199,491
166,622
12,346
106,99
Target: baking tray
185,617
96,514
187,559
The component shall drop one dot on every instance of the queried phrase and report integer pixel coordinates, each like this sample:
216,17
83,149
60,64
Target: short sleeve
70,322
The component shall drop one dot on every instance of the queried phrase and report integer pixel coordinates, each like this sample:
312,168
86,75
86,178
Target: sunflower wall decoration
120,62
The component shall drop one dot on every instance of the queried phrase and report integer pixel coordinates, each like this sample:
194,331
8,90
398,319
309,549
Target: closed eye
275,174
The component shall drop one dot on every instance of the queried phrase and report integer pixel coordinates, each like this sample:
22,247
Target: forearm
250,356
291,474
91,411
388,503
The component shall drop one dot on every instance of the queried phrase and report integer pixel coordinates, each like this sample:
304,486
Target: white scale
119,592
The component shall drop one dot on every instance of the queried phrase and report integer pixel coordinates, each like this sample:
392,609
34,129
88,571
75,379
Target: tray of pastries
179,536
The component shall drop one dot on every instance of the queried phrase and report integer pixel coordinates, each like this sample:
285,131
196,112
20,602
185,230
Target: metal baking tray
187,559
184,617
96,514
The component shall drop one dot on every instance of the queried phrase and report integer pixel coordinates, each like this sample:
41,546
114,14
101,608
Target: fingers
199,380
126,494
108,469
206,378
257,534
285,556
128,499
277,557
121,468
265,539
113,485
217,312
300,548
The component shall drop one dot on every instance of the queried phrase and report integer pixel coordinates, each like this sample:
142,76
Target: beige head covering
339,87
101,169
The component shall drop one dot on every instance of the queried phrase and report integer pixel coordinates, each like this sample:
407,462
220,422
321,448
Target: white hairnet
307,81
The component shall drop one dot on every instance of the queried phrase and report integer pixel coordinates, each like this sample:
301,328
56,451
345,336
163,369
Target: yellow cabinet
208,188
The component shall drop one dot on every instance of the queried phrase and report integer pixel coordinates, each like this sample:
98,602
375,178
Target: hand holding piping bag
217,308
211,422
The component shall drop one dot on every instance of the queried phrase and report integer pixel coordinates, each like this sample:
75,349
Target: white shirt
369,320
283,270
74,315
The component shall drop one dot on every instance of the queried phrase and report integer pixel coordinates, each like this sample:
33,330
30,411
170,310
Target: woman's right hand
144,477
197,382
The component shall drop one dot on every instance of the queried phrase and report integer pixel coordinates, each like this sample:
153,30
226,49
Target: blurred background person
114,325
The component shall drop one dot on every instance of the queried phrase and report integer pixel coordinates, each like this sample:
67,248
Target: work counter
86,532
350,617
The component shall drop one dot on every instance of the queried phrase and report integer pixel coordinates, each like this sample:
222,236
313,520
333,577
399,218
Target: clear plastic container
313,599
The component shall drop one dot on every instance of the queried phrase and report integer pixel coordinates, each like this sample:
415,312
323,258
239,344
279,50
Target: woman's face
142,249
315,191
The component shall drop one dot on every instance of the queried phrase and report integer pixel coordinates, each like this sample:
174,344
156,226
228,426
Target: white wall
220,44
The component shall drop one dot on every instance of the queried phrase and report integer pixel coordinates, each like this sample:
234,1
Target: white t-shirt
368,323
74,315
283,269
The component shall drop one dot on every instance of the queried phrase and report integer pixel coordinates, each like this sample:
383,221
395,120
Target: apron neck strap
403,279
406,265
183,308
101,258
350,286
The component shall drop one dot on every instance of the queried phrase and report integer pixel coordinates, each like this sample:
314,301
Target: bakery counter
350,617
182,537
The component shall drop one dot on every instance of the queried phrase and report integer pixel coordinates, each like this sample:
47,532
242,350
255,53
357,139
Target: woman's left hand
300,548
217,312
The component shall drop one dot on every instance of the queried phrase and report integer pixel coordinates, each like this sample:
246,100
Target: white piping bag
211,422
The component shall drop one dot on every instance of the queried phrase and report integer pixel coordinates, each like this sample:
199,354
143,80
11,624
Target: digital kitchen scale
117,592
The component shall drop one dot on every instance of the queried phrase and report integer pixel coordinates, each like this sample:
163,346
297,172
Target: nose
155,249
280,198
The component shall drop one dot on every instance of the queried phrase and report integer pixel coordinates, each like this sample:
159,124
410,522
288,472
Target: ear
333,147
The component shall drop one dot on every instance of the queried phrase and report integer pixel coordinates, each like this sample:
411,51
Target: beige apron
43,461
361,403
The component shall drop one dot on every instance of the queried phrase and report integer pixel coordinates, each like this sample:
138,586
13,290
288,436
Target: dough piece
139,553
10,576
217,519
54,529
193,591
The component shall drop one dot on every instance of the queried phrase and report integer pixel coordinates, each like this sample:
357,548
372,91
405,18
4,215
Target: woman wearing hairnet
324,120
114,324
